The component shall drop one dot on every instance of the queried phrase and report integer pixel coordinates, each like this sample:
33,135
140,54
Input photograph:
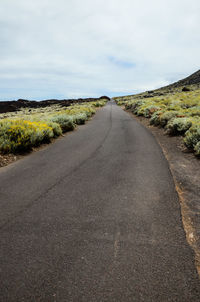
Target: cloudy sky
83,48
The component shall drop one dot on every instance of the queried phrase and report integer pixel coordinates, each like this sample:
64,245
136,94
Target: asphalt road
94,218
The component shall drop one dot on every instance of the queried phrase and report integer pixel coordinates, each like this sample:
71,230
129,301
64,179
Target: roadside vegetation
177,111
22,130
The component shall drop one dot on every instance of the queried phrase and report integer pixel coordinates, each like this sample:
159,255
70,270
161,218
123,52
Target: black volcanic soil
10,106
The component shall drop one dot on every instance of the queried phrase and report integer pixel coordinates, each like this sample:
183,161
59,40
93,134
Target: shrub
155,118
194,111
128,105
174,106
57,131
20,135
178,125
100,103
120,102
148,111
135,106
65,121
80,119
167,116
192,136
89,110
138,109
189,103
197,149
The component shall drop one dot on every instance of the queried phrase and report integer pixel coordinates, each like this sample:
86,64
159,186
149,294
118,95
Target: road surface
94,218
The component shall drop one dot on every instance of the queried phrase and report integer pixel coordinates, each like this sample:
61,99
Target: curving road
94,218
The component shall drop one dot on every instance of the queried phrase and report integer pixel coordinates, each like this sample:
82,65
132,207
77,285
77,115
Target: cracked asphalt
94,217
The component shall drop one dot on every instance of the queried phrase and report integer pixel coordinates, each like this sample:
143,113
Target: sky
75,48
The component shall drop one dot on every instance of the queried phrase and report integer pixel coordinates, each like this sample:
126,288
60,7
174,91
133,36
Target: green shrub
149,111
57,131
189,103
121,102
136,107
194,111
155,118
197,149
138,110
89,110
174,106
167,116
128,105
100,103
80,119
65,121
178,125
192,136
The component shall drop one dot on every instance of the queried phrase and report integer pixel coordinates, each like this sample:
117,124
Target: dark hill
191,82
10,106
193,79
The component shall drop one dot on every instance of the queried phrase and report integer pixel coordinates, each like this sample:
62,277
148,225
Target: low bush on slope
177,112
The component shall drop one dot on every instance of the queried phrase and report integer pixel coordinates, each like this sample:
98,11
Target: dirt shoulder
185,168
7,159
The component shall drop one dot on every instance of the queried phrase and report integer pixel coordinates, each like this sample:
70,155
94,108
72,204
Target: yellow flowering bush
19,135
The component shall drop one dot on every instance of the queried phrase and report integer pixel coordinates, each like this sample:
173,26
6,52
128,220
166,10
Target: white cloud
63,48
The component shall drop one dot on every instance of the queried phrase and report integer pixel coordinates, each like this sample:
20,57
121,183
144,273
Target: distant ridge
11,106
189,83
193,79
